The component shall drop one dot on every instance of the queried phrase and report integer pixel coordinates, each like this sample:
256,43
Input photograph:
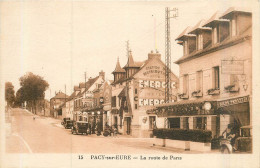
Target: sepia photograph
136,83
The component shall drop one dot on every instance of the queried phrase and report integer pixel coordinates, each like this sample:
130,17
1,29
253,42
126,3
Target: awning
236,107
187,108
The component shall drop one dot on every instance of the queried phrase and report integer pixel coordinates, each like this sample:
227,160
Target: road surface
47,135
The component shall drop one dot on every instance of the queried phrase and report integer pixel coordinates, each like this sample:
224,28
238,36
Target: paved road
46,135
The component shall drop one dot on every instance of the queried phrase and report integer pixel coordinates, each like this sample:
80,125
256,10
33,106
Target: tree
9,93
19,98
33,88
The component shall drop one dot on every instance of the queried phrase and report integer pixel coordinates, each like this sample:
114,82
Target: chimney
153,55
102,74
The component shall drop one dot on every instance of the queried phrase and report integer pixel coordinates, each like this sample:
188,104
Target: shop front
213,115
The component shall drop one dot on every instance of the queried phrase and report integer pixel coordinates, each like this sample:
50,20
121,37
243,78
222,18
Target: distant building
55,104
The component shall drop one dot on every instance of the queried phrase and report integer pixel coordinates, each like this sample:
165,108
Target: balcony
232,88
183,96
214,91
197,93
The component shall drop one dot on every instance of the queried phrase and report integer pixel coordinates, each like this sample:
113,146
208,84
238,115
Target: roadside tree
9,94
32,89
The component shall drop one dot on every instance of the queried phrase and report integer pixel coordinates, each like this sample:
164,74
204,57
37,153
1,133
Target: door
128,125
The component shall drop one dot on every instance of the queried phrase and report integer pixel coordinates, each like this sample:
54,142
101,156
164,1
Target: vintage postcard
129,83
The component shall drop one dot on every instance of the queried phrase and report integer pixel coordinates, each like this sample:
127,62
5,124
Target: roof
60,95
184,33
229,41
72,96
89,83
118,68
214,18
130,62
231,10
76,88
199,26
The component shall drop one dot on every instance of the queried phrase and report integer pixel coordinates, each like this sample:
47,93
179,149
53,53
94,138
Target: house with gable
137,88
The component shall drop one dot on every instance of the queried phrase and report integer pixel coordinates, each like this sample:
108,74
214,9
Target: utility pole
65,96
85,83
168,90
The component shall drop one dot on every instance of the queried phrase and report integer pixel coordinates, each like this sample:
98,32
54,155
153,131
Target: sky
60,40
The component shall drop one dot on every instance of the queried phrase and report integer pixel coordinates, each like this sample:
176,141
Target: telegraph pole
168,90
85,83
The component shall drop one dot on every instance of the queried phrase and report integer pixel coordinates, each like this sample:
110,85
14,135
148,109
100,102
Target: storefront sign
154,84
232,67
153,70
233,101
150,102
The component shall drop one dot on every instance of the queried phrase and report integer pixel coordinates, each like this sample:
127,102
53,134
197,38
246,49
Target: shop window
173,122
201,123
216,77
152,122
186,123
80,118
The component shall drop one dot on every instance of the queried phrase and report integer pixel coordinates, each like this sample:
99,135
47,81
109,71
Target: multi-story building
99,113
138,87
215,74
83,98
55,103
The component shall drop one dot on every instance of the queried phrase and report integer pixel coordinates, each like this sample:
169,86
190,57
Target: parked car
243,143
68,124
64,120
79,127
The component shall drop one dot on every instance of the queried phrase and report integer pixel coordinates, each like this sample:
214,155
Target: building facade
55,104
215,74
138,87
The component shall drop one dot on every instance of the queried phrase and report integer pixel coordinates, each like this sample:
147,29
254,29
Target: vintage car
79,127
242,144
64,120
68,124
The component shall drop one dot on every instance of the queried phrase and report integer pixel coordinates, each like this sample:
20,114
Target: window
136,106
199,81
173,122
224,31
192,44
113,101
216,78
135,91
185,84
201,123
